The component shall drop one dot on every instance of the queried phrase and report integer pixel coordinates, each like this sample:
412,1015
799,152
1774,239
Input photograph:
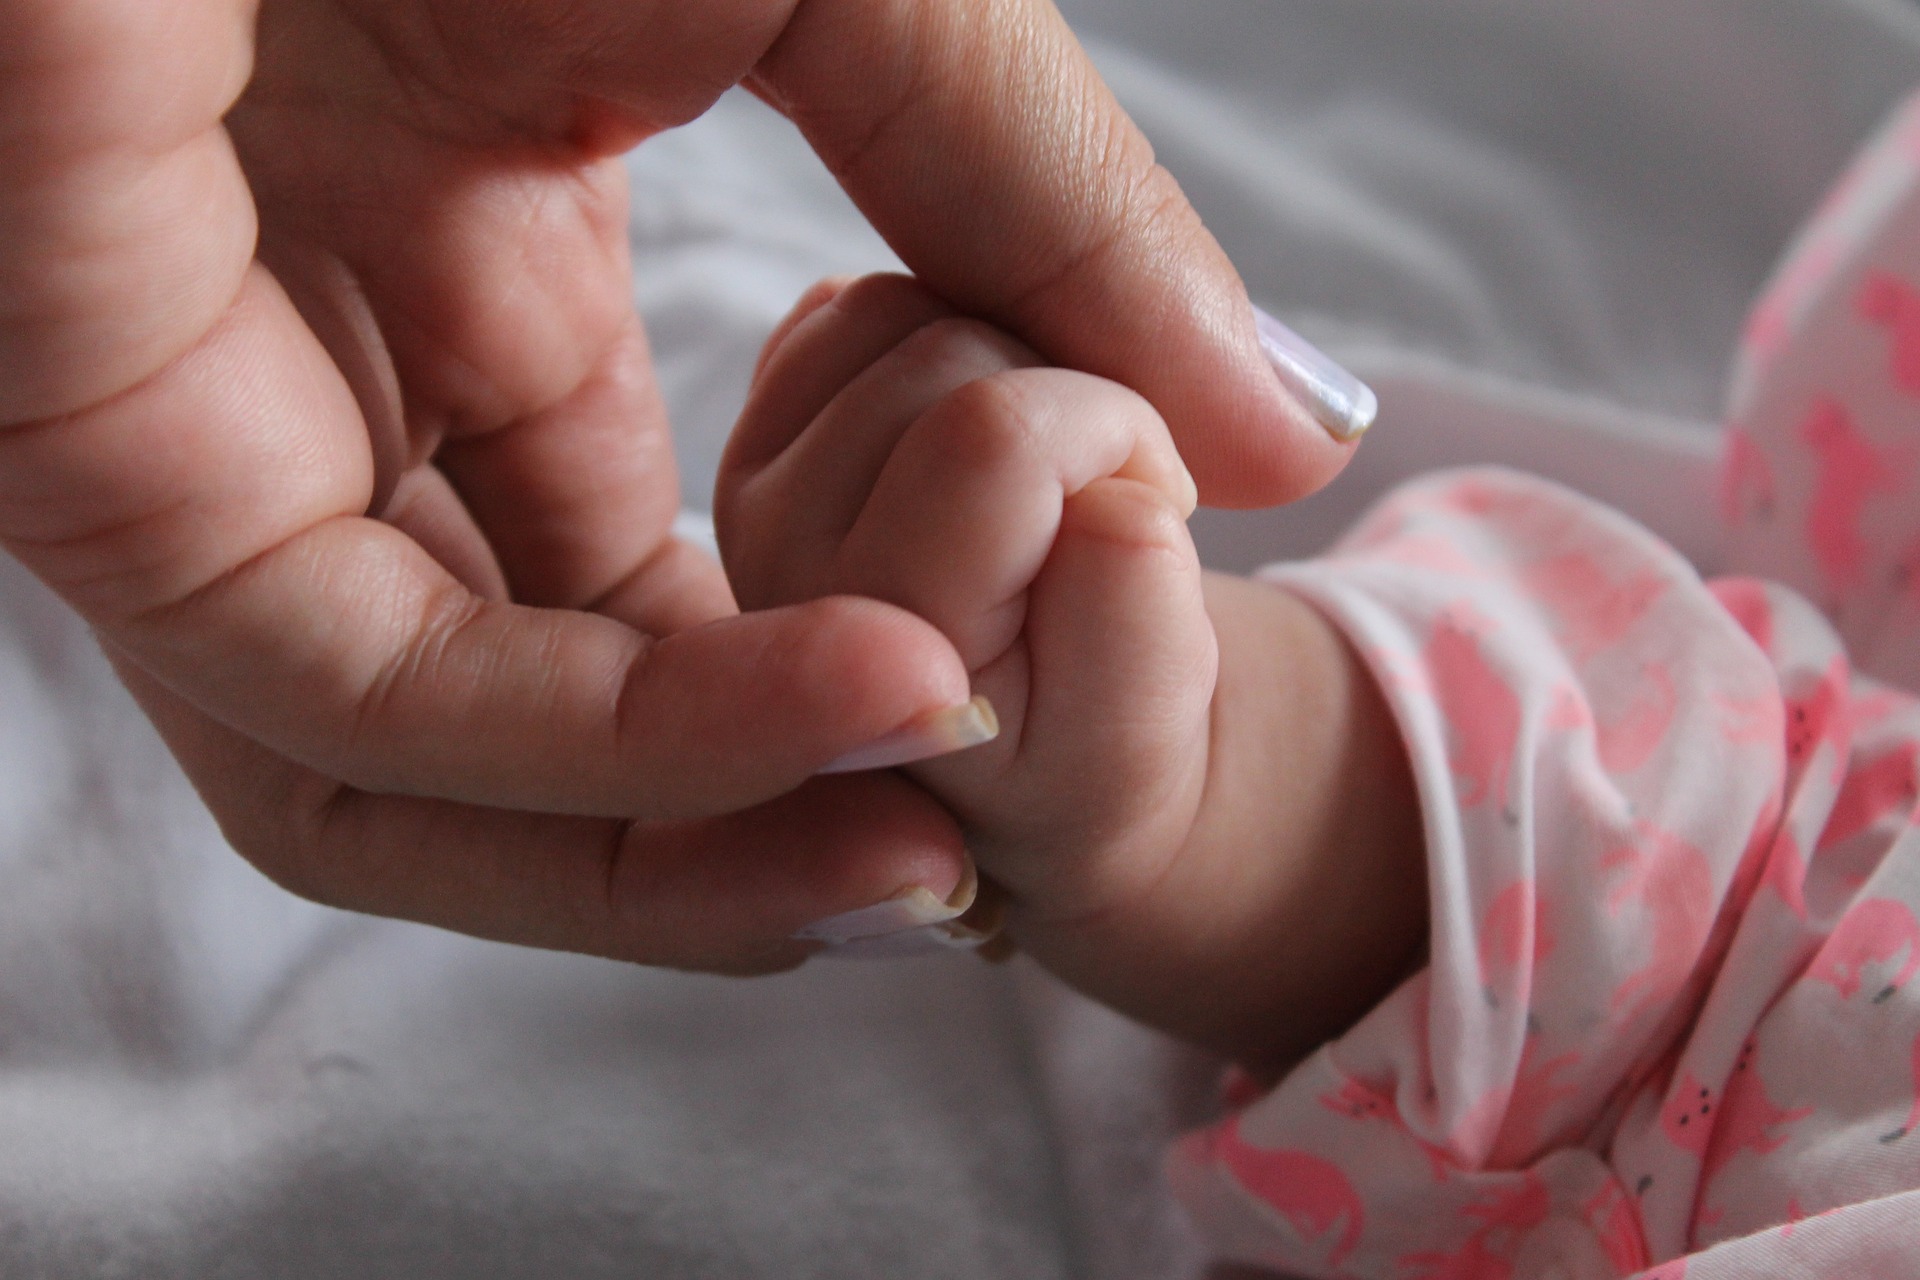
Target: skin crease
1199,809
323,399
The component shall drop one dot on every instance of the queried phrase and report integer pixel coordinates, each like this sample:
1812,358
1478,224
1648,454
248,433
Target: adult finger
576,496
724,894
232,565
128,224
425,508
516,360
980,141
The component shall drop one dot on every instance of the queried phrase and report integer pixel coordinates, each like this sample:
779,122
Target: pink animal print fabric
1670,1023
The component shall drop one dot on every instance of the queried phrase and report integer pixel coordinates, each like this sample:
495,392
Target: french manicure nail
913,922
1340,402
907,910
934,734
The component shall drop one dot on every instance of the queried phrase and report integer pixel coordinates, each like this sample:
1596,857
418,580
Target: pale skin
1198,806
323,400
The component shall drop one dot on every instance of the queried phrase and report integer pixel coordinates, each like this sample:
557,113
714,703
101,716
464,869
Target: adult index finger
207,521
978,138
727,894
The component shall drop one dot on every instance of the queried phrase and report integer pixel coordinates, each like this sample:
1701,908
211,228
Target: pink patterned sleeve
1820,468
1670,1023
1620,767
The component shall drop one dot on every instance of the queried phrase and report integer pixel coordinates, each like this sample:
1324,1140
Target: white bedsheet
1535,225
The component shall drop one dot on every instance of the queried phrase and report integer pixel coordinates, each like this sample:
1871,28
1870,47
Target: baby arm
1198,806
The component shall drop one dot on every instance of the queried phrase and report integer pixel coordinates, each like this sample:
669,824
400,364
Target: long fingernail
934,734
1340,402
908,911
914,922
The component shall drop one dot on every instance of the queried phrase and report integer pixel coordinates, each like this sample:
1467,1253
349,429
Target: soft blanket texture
1534,224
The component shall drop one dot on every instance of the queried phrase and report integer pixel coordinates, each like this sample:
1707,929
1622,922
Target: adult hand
323,399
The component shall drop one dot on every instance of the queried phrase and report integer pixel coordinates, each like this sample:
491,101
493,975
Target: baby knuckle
955,349
885,293
983,424
755,556
1129,513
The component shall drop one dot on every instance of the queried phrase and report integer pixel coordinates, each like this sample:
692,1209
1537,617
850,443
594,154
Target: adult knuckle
380,715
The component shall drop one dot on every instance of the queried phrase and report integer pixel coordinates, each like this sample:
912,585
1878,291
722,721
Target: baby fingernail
934,734
1340,402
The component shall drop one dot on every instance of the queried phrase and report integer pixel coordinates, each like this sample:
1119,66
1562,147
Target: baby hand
1036,516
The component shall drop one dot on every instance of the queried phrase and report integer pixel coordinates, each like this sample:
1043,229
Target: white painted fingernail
1338,401
912,909
934,734
927,940
915,922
